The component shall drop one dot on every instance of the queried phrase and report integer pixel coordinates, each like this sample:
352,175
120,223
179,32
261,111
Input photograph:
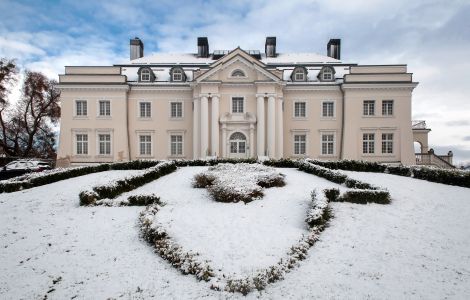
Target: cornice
121,87
383,86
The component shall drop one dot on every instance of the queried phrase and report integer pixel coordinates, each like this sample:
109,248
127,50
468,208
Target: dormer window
327,74
238,73
145,75
177,74
299,74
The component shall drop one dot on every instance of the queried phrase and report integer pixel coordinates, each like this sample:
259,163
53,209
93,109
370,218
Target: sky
432,37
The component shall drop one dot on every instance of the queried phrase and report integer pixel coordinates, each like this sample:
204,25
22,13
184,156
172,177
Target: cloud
458,123
466,138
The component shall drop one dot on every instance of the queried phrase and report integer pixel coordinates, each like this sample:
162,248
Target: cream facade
236,104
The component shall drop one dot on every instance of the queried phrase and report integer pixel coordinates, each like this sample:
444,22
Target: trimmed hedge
358,196
143,200
14,186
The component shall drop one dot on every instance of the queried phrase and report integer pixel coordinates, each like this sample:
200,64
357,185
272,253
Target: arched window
238,136
177,75
238,73
237,144
327,74
299,74
145,75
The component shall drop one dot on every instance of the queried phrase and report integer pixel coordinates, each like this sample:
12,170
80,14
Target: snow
416,247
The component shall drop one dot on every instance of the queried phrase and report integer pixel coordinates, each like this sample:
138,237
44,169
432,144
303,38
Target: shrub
365,196
143,200
203,180
331,194
281,163
332,176
87,198
356,184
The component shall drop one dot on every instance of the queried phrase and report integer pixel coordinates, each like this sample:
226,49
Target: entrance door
237,145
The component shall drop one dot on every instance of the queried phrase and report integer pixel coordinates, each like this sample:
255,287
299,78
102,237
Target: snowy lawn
416,247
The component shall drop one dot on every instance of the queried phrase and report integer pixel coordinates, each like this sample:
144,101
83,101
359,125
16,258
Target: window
104,143
327,144
82,144
237,143
177,75
300,144
299,75
300,109
369,108
145,75
145,109
387,143
328,109
104,108
176,109
176,145
327,74
81,108
145,144
387,108
237,105
368,143
238,73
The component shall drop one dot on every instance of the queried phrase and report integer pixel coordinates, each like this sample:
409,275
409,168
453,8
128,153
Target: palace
236,104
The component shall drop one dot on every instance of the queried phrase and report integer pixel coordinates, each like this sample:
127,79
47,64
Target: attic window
145,75
177,75
327,74
299,74
238,73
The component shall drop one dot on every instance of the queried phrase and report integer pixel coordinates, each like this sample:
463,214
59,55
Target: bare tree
27,126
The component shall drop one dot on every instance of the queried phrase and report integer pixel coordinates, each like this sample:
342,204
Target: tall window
81,108
328,109
145,109
387,143
82,144
176,145
369,108
387,108
104,143
145,144
300,109
300,144
368,143
105,108
176,109
237,105
299,75
327,144
177,75
145,75
327,74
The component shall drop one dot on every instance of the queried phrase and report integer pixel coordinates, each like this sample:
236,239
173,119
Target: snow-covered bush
331,194
143,200
238,182
319,212
365,196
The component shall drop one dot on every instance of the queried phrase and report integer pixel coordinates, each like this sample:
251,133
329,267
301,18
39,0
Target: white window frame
171,109
385,101
243,103
139,115
392,141
179,133
368,141
334,109
147,71
177,72
294,143
327,71
294,112
98,109
111,141
299,71
75,109
75,143
327,133
369,102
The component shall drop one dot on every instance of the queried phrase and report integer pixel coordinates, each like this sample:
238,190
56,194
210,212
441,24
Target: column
279,129
224,140
260,126
204,126
252,141
215,127
196,138
271,126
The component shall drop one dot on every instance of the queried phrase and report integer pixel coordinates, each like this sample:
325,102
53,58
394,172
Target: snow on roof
190,58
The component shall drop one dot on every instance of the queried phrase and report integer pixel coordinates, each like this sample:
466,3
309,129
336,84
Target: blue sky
432,37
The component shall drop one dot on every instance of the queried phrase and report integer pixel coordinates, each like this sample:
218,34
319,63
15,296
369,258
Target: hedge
358,196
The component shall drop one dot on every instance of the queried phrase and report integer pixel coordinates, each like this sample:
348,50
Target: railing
431,159
418,124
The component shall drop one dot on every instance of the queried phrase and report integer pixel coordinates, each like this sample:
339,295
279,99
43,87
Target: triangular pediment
234,60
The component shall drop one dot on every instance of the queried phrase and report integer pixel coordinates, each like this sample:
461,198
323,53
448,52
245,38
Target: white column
224,140
271,126
260,126
196,138
204,126
215,127
252,141
279,129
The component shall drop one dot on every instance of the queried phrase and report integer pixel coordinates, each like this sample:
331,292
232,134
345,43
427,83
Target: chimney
136,48
270,46
202,47
334,48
